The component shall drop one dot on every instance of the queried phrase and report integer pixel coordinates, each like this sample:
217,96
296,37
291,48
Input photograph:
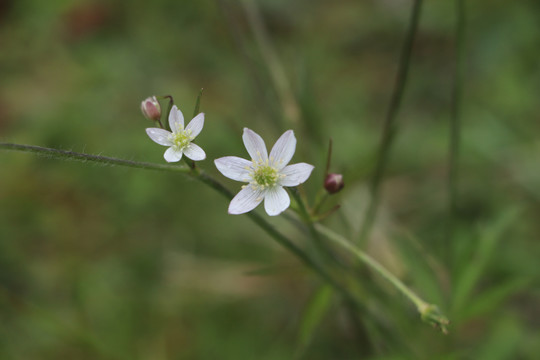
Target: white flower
180,139
266,175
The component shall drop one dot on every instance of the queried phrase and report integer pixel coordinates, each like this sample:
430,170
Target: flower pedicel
266,175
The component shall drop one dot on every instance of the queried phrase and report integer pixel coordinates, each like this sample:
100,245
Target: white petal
254,145
176,119
195,152
196,125
283,150
295,174
276,201
234,168
159,136
172,155
246,200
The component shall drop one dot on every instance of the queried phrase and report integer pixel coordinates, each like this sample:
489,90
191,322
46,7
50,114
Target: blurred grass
111,263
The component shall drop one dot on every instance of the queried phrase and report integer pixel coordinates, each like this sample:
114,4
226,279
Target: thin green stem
281,239
455,124
328,158
202,177
277,73
198,103
389,126
169,107
239,38
321,197
322,251
75,156
428,312
308,220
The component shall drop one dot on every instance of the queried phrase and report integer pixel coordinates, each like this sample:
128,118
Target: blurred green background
114,263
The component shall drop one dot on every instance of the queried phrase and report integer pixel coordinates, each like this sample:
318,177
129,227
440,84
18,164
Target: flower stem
75,156
309,220
198,103
198,174
389,126
428,312
275,68
282,240
169,107
202,177
455,125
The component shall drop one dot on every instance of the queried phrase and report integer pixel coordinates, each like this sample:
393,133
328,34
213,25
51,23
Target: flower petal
255,145
276,201
195,152
159,136
172,155
246,200
234,168
295,174
283,150
196,125
176,119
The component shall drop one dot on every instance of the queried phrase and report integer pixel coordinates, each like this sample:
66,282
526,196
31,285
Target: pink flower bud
333,183
151,109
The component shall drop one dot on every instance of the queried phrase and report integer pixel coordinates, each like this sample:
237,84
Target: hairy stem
76,156
202,177
429,312
389,126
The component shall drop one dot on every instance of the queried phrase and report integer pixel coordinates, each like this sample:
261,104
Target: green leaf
503,340
490,299
312,316
198,103
426,272
474,269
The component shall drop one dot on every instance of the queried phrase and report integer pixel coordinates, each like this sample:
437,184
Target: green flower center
265,176
182,139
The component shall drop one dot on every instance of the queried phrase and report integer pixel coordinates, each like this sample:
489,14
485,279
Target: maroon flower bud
333,183
151,109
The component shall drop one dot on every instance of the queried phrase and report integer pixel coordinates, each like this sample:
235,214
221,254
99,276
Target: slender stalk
428,312
389,126
202,177
281,239
275,68
241,44
169,107
75,156
455,123
308,220
198,103
321,249
328,157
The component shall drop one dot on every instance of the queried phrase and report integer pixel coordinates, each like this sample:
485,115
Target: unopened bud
151,109
333,183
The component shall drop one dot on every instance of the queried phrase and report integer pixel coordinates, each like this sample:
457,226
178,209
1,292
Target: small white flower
266,175
180,139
